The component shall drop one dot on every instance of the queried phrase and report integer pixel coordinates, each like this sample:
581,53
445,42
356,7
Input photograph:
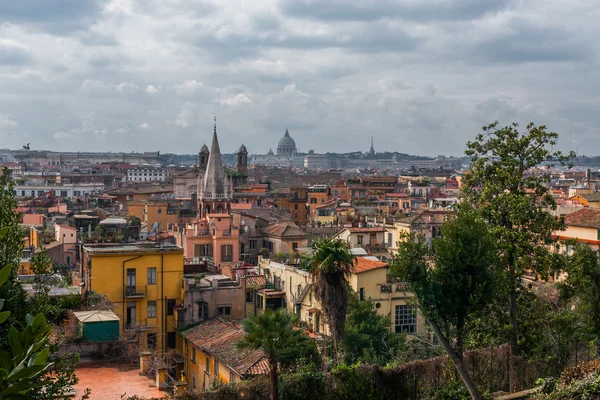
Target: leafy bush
454,390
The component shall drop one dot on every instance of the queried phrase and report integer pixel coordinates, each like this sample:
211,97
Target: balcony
135,291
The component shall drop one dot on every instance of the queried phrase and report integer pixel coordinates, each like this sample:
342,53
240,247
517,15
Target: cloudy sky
421,76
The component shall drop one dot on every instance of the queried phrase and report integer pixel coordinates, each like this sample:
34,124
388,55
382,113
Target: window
361,294
193,382
77,193
207,365
171,339
152,276
294,246
313,200
151,341
194,355
406,319
227,252
216,368
160,210
296,206
231,377
202,310
252,245
249,296
202,250
152,309
224,309
359,239
170,306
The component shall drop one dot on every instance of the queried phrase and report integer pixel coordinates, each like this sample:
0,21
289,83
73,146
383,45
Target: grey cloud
13,55
531,42
56,16
340,10
420,76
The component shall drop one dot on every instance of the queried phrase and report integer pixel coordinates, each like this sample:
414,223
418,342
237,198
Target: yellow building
370,282
583,225
146,295
210,354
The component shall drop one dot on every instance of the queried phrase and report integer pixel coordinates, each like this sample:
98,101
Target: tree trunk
274,379
458,363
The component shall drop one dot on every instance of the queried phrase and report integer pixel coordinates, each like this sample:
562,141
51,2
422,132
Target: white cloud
151,89
7,124
144,125
237,99
188,87
127,87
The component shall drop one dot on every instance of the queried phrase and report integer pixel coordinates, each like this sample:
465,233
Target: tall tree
451,280
508,183
273,332
330,265
11,250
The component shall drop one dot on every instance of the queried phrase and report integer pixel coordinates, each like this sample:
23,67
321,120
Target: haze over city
421,77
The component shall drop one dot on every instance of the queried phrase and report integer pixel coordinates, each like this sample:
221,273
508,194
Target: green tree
582,284
11,250
506,182
26,356
451,280
272,332
330,265
367,336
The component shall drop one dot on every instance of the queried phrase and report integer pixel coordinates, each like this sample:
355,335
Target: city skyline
422,78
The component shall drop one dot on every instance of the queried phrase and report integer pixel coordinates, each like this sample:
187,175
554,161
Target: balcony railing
135,291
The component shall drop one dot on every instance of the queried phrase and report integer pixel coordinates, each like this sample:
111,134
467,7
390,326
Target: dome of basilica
286,145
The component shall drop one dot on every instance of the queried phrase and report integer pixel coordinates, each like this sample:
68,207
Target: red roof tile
219,337
586,218
362,264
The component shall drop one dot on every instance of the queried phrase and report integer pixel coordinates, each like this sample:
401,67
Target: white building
148,174
66,190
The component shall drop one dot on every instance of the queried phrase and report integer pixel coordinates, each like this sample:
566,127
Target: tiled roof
591,197
219,337
258,280
283,230
362,264
586,217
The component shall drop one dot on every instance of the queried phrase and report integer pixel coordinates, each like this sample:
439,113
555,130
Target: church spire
215,186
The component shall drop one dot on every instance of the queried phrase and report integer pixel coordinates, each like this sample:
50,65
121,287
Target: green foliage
306,382
453,390
273,332
26,359
504,181
582,284
11,249
367,335
453,279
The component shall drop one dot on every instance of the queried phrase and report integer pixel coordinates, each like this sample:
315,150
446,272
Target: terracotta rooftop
586,218
283,230
362,264
219,336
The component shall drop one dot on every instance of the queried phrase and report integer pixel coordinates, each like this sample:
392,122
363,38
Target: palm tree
330,265
272,332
